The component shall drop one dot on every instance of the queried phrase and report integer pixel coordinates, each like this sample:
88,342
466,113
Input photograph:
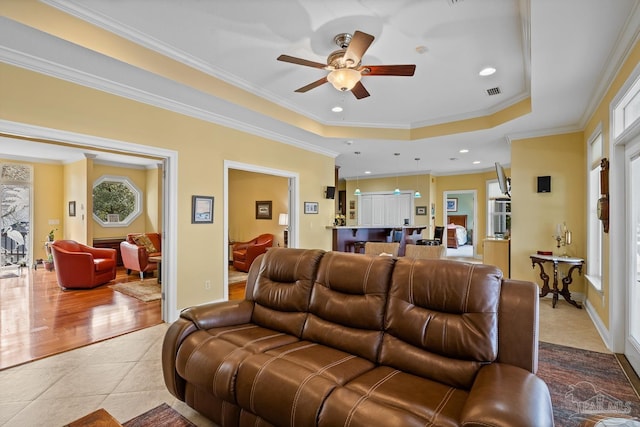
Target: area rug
236,276
586,386
163,415
145,290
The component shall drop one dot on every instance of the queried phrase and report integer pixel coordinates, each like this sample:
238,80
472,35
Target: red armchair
136,250
245,252
82,266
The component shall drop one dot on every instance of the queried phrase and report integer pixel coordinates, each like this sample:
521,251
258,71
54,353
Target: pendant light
397,190
417,195
357,192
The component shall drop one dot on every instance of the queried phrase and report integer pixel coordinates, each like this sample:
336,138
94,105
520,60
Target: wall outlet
207,284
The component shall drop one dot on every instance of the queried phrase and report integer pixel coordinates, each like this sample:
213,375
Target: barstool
354,246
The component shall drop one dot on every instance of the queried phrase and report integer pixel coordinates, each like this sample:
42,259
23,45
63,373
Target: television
503,181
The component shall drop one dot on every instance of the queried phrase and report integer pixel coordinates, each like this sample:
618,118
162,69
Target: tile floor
124,376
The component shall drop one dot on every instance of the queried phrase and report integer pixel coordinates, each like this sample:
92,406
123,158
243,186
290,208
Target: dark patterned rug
586,386
163,415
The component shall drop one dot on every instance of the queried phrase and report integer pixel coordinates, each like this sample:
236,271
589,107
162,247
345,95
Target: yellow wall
245,189
202,148
75,189
153,200
534,215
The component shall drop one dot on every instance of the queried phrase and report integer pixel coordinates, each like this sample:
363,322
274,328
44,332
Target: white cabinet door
377,207
365,211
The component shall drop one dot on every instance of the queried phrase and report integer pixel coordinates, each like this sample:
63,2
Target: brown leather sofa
245,252
136,250
80,266
340,339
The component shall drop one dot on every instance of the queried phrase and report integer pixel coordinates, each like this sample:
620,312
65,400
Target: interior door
632,339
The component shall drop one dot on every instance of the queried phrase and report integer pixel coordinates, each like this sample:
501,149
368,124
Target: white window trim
137,210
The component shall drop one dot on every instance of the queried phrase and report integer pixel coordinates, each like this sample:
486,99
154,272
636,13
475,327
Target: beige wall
245,189
153,200
202,148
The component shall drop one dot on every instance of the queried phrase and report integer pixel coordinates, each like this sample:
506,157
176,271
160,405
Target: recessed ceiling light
464,150
487,71
337,109
477,162
367,172
421,49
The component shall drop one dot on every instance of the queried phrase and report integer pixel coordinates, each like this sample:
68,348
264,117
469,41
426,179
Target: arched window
116,201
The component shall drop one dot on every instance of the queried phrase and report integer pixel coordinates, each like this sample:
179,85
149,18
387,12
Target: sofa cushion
282,289
447,311
144,240
348,303
305,374
210,359
398,398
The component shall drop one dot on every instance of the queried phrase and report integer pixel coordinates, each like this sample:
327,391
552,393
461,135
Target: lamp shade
283,219
417,195
357,192
344,79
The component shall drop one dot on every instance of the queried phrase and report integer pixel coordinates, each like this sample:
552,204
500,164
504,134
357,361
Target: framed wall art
421,210
201,210
310,207
263,209
72,208
452,204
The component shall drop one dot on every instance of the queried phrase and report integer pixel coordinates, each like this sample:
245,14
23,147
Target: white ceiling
560,53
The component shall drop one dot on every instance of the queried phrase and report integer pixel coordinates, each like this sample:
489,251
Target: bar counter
345,236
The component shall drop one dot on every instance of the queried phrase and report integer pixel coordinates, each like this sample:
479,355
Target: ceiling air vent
494,91
453,2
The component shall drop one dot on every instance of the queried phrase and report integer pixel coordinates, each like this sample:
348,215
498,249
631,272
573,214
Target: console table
574,263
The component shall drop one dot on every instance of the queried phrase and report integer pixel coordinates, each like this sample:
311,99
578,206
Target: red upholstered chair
136,250
245,252
82,266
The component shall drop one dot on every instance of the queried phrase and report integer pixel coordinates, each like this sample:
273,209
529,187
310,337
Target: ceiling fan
344,65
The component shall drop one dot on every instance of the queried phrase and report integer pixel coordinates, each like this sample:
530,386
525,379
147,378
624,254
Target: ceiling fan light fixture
344,79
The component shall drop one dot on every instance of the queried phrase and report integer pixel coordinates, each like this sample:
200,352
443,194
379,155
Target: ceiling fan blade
358,45
359,91
300,61
312,85
388,70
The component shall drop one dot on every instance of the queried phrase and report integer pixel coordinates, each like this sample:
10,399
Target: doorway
632,336
461,223
289,207
15,217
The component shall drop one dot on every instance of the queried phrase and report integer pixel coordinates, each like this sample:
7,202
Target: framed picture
201,210
263,209
311,207
452,204
352,204
421,210
352,214
72,208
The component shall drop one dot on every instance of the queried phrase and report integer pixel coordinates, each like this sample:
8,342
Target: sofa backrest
442,319
348,303
282,288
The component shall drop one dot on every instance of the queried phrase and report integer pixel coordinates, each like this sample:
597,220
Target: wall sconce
283,219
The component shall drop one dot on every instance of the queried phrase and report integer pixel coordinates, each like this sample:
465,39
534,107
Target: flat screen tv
503,181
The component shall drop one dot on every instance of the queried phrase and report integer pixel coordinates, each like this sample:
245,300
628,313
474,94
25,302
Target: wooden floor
38,318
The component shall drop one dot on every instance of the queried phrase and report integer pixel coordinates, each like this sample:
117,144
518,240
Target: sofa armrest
219,314
518,324
505,395
133,256
173,338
